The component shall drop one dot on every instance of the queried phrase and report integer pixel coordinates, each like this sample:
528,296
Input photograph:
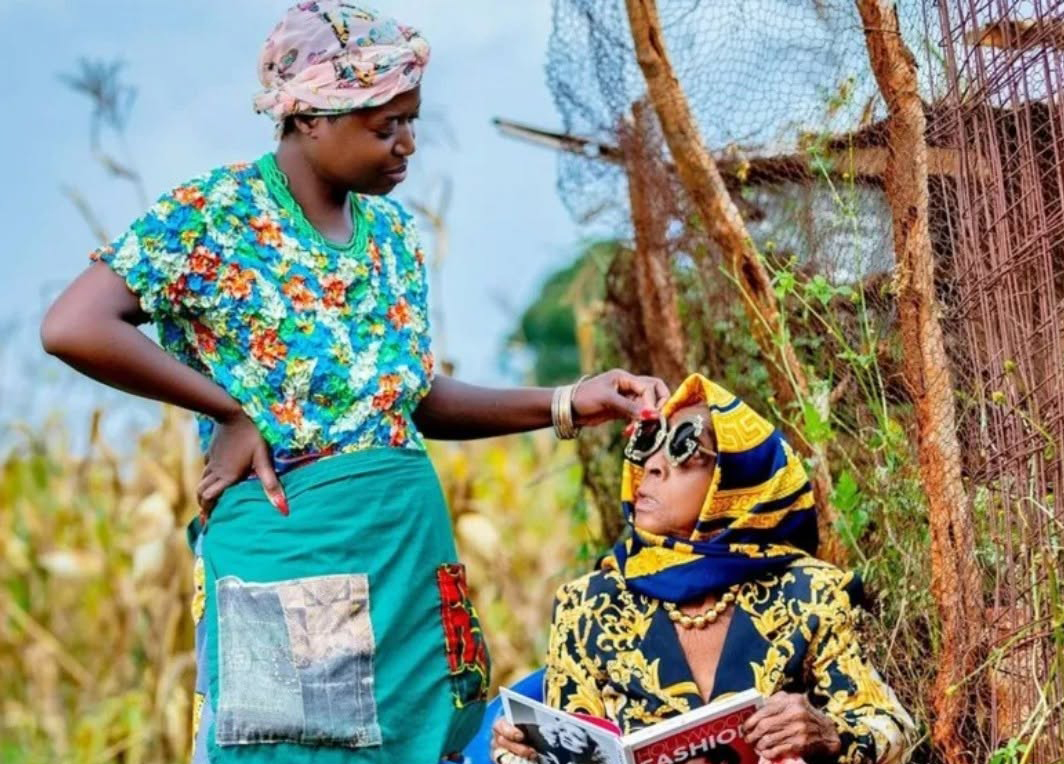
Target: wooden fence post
954,575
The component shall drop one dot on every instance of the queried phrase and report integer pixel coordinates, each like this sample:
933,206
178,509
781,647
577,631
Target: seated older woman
716,591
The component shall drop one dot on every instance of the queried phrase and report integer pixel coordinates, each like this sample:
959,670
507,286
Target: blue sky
193,64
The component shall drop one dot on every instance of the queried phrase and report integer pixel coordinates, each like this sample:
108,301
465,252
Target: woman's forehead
689,412
404,104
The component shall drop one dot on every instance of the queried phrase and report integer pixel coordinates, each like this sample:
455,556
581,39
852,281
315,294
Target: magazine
707,735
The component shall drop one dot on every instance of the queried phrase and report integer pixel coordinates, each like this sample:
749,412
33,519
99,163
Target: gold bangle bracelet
562,414
555,411
572,397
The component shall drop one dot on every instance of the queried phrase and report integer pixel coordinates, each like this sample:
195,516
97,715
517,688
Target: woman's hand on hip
237,450
789,726
506,739
616,394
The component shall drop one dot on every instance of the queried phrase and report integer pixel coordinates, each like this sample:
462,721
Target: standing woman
290,300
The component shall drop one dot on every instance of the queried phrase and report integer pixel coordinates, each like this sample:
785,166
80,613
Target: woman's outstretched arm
455,410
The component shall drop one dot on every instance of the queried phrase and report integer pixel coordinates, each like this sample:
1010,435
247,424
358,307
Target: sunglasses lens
645,440
683,442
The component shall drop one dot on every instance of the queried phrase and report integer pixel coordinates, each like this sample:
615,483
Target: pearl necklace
702,620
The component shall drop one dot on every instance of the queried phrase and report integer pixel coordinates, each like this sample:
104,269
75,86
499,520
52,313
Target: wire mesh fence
786,101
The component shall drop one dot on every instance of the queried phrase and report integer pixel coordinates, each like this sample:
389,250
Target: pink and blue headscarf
332,56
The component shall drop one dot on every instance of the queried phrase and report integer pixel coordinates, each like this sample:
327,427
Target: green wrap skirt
342,632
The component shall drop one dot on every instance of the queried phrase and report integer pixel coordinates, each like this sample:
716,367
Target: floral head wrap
758,515
331,56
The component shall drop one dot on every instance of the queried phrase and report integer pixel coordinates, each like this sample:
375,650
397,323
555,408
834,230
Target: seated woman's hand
506,738
788,726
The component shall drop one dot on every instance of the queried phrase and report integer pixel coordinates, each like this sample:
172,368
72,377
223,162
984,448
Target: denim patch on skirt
295,662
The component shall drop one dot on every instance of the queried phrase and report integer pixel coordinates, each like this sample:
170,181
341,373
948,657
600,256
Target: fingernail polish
282,505
648,414
629,430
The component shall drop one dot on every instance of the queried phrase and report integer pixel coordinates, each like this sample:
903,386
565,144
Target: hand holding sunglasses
614,395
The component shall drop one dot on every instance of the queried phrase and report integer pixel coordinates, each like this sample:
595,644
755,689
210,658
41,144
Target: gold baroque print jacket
615,654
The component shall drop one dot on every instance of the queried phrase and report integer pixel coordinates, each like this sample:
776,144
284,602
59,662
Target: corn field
95,580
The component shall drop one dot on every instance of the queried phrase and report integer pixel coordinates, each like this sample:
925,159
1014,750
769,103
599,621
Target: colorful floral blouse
615,654
325,345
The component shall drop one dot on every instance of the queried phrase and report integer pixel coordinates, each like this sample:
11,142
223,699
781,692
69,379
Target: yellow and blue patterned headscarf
758,515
